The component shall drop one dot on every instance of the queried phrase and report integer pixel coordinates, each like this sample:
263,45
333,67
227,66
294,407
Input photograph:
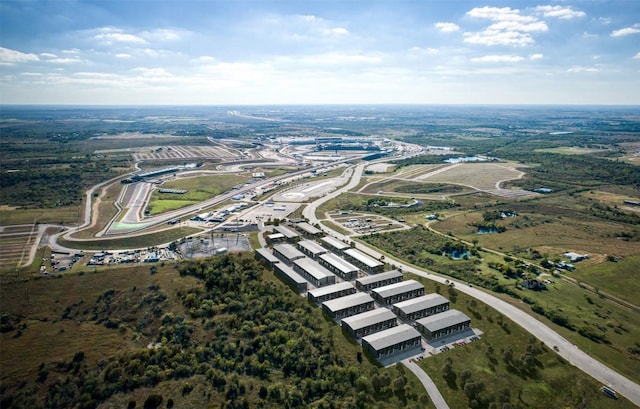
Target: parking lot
363,223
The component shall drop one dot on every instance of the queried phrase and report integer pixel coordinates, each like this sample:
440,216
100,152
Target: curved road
567,350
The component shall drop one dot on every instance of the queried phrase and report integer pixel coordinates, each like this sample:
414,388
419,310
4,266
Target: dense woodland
251,342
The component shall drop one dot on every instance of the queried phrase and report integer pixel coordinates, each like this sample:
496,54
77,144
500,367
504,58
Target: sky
213,52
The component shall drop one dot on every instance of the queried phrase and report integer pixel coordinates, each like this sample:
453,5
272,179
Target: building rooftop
379,277
285,269
309,229
288,233
339,263
391,336
421,303
268,255
275,236
333,242
397,288
312,247
288,251
368,318
347,301
443,320
363,258
313,268
330,289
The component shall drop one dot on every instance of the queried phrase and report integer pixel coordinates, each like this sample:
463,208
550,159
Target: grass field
568,150
198,188
547,381
66,215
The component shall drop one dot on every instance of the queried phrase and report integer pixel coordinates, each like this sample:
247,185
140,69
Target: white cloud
162,34
625,32
564,13
583,69
122,55
589,35
71,51
488,37
11,57
534,57
499,14
64,60
605,20
203,59
509,27
335,58
423,51
637,56
498,58
48,55
111,35
447,27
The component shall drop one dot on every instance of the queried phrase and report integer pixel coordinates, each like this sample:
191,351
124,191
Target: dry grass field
15,243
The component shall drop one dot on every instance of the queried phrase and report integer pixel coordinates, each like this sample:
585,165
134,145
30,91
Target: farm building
330,292
311,248
347,306
399,341
266,257
378,280
290,277
314,272
334,244
287,253
338,266
308,230
416,308
365,262
394,293
289,234
443,324
369,322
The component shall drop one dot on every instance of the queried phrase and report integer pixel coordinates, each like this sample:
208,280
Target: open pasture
569,150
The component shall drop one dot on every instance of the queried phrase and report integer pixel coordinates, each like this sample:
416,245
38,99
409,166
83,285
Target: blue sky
319,52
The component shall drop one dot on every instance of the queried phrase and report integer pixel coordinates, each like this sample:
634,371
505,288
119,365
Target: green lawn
198,188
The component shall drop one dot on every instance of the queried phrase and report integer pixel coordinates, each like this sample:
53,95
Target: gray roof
397,288
312,246
347,301
266,253
288,271
421,303
363,258
288,233
330,289
391,336
333,242
307,228
339,263
379,277
313,268
368,318
443,320
288,251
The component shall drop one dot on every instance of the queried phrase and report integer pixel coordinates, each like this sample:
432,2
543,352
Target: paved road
566,349
429,386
